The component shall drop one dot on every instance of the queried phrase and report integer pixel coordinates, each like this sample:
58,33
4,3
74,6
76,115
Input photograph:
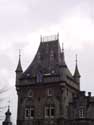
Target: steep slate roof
49,59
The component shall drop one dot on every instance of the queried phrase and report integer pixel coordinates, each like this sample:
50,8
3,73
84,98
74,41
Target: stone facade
81,109
47,91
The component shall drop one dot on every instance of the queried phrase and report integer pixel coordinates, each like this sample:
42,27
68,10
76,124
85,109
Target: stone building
47,91
81,109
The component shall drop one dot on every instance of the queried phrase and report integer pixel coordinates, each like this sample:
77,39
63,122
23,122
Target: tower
18,69
46,87
7,118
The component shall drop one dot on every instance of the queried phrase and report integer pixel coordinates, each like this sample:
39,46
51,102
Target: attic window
39,77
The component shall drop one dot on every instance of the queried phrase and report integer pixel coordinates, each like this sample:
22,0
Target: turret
63,65
63,57
18,69
7,118
76,73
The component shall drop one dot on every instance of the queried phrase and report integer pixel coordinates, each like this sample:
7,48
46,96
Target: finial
58,35
19,67
62,47
76,59
19,53
8,104
40,38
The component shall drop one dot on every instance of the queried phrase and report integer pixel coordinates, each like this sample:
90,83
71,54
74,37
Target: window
50,92
52,111
26,112
49,111
29,113
81,112
30,93
39,77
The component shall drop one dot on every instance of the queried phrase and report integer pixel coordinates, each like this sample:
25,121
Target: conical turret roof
76,73
19,67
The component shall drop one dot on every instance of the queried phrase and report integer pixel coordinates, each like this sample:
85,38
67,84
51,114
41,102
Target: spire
62,56
19,67
7,118
41,38
58,35
76,73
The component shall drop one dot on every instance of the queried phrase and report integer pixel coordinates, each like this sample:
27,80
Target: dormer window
39,78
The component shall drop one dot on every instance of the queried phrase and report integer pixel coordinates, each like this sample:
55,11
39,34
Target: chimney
89,94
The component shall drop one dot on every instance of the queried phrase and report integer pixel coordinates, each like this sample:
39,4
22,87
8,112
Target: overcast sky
23,21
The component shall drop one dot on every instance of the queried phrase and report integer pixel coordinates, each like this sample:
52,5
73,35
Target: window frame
32,109
50,92
49,110
81,112
29,116
26,110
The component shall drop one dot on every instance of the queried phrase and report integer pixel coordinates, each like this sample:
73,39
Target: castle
48,93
